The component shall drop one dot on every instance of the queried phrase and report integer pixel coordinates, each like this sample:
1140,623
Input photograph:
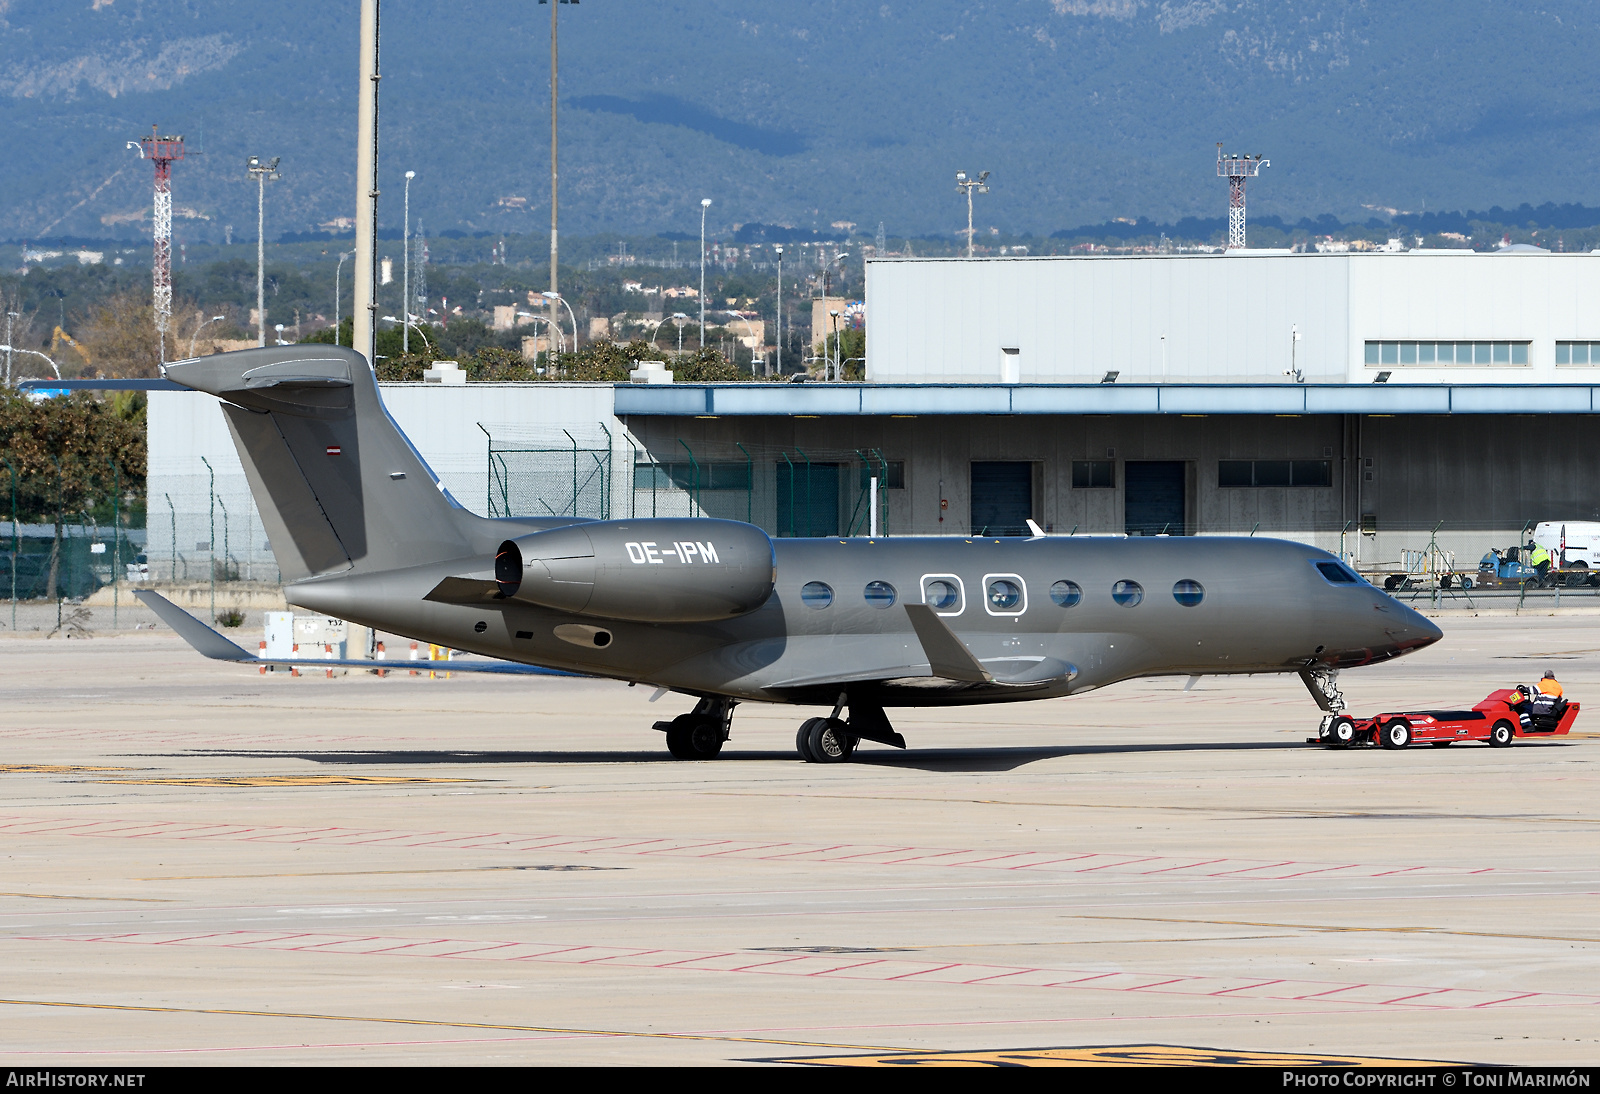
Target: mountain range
797,114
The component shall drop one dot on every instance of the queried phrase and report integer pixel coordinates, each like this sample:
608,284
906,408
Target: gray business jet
717,610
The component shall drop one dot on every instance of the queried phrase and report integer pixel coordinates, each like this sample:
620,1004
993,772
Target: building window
895,479
711,475
1578,353
1093,474
1274,472
1434,354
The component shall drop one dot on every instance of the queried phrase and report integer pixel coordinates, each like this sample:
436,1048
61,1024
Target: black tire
1502,734
694,738
1397,734
1391,583
831,742
1342,732
680,737
802,740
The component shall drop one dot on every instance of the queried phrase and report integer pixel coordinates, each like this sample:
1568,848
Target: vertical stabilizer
338,485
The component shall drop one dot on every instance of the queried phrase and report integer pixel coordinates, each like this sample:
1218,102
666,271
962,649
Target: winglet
207,642
1033,526
948,656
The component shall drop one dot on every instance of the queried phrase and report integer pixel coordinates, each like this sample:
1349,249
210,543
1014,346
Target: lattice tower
1236,169
162,151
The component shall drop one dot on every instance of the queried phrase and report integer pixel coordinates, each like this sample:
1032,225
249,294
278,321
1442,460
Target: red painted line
999,976
1187,866
691,845
921,972
842,968
770,963
549,953
1053,861
1318,870
1402,870
1252,869
477,949
810,851
187,938
702,957
1331,991
740,851
424,942
1248,987
1160,983
871,851
1124,862
346,941
1507,999
1417,995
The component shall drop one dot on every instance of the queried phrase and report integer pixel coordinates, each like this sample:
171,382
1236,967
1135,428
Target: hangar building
1144,395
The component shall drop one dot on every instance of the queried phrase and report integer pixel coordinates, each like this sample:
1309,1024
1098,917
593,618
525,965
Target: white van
1573,544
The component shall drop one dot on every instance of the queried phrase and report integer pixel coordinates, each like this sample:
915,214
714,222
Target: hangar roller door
1002,498
1154,493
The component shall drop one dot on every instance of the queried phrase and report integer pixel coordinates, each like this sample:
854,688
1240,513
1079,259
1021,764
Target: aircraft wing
208,643
948,656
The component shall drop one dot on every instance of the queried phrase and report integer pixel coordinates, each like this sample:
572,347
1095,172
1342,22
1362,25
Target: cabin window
1188,593
1066,593
880,594
816,594
942,594
1127,593
1005,595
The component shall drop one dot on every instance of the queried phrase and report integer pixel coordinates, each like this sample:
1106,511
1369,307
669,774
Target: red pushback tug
1500,719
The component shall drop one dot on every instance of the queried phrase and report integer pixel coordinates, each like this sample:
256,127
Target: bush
233,617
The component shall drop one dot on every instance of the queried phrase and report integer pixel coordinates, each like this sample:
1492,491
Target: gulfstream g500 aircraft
717,610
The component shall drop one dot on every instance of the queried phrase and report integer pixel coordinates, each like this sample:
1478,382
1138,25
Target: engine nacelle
647,571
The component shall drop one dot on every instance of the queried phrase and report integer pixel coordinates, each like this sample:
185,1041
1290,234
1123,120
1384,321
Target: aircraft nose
1408,628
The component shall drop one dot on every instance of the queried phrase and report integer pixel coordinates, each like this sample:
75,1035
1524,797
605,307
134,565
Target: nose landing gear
700,734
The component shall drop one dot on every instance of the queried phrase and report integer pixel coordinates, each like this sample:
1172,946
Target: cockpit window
1337,574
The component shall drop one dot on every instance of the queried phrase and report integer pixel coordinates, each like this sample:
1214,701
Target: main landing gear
833,740
700,734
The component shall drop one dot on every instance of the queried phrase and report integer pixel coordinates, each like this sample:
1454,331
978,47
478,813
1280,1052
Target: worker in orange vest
1550,685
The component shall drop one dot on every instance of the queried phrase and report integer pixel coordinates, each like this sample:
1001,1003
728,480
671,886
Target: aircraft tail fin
339,487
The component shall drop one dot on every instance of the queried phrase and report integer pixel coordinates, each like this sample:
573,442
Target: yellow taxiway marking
53,769
1336,929
306,1016
1107,1056
281,780
555,869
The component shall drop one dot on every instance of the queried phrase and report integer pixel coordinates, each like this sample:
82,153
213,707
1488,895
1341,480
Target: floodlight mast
262,172
162,151
1236,169
967,185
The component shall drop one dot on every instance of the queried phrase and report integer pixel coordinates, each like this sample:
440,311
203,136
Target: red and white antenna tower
1236,169
162,151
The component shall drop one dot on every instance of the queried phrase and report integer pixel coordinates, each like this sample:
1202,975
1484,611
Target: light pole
553,297
555,315
705,203
838,349
11,317
405,267
261,172
966,185
337,270
8,349
678,320
778,332
197,331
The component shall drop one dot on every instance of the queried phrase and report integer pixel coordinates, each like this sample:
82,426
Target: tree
121,336
68,452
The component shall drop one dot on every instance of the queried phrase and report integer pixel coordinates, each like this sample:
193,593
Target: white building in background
1517,316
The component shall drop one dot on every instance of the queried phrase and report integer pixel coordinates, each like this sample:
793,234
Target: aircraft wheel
1342,731
692,738
802,739
1397,734
829,741
1501,735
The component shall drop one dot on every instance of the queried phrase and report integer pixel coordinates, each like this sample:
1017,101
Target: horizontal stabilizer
948,656
207,642
464,590
211,644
